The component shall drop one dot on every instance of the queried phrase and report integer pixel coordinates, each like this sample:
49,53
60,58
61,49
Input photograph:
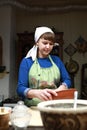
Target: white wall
7,82
5,34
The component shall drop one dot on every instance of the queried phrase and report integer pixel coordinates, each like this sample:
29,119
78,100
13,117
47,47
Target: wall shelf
3,74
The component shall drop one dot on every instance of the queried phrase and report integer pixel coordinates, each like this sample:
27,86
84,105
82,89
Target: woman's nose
48,45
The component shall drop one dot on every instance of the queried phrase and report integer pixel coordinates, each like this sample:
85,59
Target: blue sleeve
23,78
65,78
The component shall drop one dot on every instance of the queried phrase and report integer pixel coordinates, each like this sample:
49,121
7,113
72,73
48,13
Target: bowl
61,115
65,94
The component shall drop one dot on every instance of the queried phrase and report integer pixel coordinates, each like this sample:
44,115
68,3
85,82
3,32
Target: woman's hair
48,36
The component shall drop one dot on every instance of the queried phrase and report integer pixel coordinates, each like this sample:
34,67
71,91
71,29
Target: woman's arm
23,78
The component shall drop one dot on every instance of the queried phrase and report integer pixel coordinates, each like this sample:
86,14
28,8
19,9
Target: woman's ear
37,44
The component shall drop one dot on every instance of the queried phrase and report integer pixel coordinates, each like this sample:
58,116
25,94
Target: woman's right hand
42,94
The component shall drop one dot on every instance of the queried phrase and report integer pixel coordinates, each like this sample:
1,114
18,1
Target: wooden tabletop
35,117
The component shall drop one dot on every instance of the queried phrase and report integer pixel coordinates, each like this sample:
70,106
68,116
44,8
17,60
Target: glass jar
20,116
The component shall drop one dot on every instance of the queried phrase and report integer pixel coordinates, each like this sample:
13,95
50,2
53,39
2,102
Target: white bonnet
41,30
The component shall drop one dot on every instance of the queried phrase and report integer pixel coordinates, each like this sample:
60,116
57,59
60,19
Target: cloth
40,31
41,78
32,53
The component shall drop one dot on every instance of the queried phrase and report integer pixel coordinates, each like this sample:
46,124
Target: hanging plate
72,66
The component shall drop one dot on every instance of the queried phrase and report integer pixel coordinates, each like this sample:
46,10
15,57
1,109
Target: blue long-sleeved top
26,63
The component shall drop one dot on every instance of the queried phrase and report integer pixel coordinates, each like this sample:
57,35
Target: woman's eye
51,44
45,43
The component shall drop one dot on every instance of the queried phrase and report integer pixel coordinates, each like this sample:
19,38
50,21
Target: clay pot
61,115
4,118
65,94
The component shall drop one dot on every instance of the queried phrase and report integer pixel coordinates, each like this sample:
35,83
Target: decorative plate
70,50
72,66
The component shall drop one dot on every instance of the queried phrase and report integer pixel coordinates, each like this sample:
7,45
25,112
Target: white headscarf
38,32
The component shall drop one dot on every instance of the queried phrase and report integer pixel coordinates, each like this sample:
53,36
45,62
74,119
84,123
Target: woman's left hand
61,87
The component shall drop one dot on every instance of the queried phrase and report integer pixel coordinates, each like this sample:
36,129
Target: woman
42,75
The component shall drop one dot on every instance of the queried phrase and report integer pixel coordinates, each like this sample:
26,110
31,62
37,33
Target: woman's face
44,47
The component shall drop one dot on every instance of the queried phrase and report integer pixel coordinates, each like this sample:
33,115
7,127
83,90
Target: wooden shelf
3,74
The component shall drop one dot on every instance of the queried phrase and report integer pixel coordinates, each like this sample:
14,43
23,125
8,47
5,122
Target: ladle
75,99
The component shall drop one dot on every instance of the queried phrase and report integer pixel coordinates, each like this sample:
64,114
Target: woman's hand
61,87
42,94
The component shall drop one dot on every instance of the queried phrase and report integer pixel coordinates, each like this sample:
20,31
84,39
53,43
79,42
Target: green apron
41,78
